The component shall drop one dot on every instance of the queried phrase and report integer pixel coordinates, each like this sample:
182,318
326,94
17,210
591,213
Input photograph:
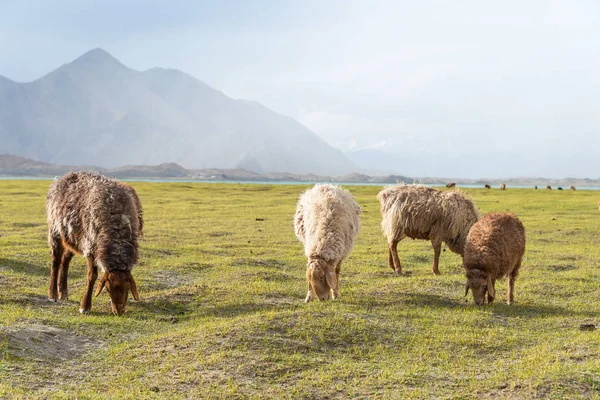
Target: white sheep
326,221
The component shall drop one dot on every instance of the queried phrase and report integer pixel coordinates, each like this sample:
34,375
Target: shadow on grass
498,308
24,267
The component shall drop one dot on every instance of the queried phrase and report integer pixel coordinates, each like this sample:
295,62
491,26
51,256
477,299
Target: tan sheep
422,212
503,187
572,187
326,222
494,249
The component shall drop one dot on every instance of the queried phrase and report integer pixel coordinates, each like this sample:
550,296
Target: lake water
467,186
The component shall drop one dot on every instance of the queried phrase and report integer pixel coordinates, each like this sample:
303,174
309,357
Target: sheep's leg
309,295
57,252
437,249
63,273
490,298
510,284
92,275
393,254
336,292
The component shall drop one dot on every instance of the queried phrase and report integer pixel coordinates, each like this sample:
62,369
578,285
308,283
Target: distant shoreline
296,182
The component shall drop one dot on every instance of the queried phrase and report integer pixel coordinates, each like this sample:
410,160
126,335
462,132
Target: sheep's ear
466,289
101,284
134,290
332,280
490,287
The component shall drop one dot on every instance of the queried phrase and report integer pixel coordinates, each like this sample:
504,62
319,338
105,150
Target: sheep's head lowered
118,284
322,280
480,285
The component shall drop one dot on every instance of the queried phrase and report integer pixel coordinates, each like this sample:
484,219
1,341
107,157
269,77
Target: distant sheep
494,249
450,185
503,187
421,212
487,186
548,187
559,188
535,187
326,222
100,218
572,187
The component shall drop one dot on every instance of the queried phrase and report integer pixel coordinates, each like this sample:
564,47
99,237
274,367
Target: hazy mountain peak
95,110
97,57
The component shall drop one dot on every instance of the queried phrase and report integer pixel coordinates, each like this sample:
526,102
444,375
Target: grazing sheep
487,186
100,218
572,187
326,222
450,185
494,249
422,212
559,188
503,187
535,187
548,187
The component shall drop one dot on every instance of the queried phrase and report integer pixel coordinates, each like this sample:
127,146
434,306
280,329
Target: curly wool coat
326,222
94,215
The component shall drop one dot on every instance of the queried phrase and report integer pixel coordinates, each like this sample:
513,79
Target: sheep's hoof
51,300
84,311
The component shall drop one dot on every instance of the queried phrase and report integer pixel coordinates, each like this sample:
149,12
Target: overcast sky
429,84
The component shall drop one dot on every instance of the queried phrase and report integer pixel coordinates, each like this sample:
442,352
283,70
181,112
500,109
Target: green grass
222,312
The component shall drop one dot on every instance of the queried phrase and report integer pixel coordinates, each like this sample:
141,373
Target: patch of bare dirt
43,342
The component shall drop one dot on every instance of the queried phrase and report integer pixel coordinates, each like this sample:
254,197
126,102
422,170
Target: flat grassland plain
222,283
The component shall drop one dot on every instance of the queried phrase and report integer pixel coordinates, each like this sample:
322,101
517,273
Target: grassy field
222,282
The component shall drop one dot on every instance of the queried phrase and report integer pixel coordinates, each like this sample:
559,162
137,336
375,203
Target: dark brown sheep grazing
535,187
450,185
559,188
548,187
487,186
503,187
100,218
494,248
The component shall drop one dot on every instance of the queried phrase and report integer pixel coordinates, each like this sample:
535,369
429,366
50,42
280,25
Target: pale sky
439,88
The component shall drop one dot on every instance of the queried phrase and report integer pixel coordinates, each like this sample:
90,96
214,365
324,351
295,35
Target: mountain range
97,111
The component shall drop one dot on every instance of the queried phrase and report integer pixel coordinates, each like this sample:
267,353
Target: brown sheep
487,186
494,249
548,187
100,218
451,185
572,187
503,187
326,222
421,212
